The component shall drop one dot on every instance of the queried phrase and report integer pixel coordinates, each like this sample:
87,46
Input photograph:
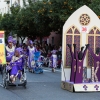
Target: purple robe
16,65
54,51
25,56
25,53
31,56
9,53
79,68
73,65
54,60
96,59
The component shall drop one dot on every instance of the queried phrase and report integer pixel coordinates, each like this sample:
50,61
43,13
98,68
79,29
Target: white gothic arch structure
84,17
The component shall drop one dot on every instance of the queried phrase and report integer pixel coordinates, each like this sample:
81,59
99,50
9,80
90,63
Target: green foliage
42,17
15,10
95,6
8,20
0,21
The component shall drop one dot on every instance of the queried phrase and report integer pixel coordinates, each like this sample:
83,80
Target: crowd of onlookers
30,54
46,50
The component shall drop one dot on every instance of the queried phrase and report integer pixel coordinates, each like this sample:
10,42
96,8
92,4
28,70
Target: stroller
37,63
6,77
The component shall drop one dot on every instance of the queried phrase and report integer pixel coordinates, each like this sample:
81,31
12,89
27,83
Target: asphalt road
46,86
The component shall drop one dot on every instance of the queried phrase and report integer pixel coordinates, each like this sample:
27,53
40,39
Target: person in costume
79,62
54,50
96,58
28,41
31,50
73,63
14,43
25,55
10,37
10,49
54,60
16,65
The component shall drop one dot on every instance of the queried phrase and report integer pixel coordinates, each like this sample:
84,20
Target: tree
40,18
95,6
8,20
0,21
6,23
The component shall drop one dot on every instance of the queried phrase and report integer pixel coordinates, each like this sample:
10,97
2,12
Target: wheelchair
1,69
6,78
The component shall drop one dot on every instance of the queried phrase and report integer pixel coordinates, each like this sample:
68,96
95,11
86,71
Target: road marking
51,70
47,70
58,70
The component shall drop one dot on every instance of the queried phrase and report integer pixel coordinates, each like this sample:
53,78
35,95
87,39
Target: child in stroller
37,63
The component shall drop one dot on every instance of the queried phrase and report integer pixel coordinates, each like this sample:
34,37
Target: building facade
3,7
6,4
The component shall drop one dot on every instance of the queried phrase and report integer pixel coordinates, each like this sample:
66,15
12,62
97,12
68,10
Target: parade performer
37,66
14,43
28,41
10,37
54,60
16,65
10,49
25,55
96,66
79,62
73,63
31,50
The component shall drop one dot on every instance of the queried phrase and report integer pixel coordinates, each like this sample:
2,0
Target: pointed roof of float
74,18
